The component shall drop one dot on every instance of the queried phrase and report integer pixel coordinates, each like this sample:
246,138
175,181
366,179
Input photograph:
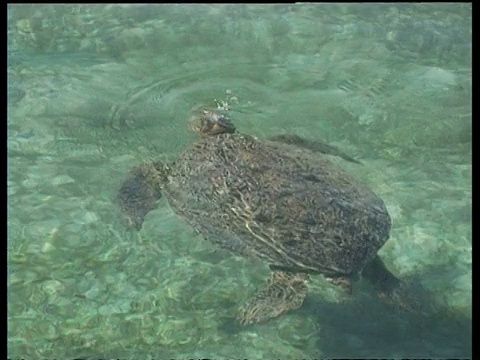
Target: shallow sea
94,90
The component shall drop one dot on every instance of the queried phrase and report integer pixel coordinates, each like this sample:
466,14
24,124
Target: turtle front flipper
140,191
284,291
316,146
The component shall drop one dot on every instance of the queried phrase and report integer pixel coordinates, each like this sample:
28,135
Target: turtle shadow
365,326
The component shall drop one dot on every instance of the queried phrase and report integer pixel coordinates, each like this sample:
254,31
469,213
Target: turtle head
210,122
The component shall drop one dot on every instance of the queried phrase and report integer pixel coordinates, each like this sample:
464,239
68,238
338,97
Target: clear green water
94,90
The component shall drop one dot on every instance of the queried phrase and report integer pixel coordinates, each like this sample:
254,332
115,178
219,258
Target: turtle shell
279,203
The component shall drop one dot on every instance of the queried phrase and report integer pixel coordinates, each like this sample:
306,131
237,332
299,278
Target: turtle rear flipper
407,295
139,192
284,291
316,146
377,273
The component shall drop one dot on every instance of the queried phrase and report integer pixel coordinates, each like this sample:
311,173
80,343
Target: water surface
94,90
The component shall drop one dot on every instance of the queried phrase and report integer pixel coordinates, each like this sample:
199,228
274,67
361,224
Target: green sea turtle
279,200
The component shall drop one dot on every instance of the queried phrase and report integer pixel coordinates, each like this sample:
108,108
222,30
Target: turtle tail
140,192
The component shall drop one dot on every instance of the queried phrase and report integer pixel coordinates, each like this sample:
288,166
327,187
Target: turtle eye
223,122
